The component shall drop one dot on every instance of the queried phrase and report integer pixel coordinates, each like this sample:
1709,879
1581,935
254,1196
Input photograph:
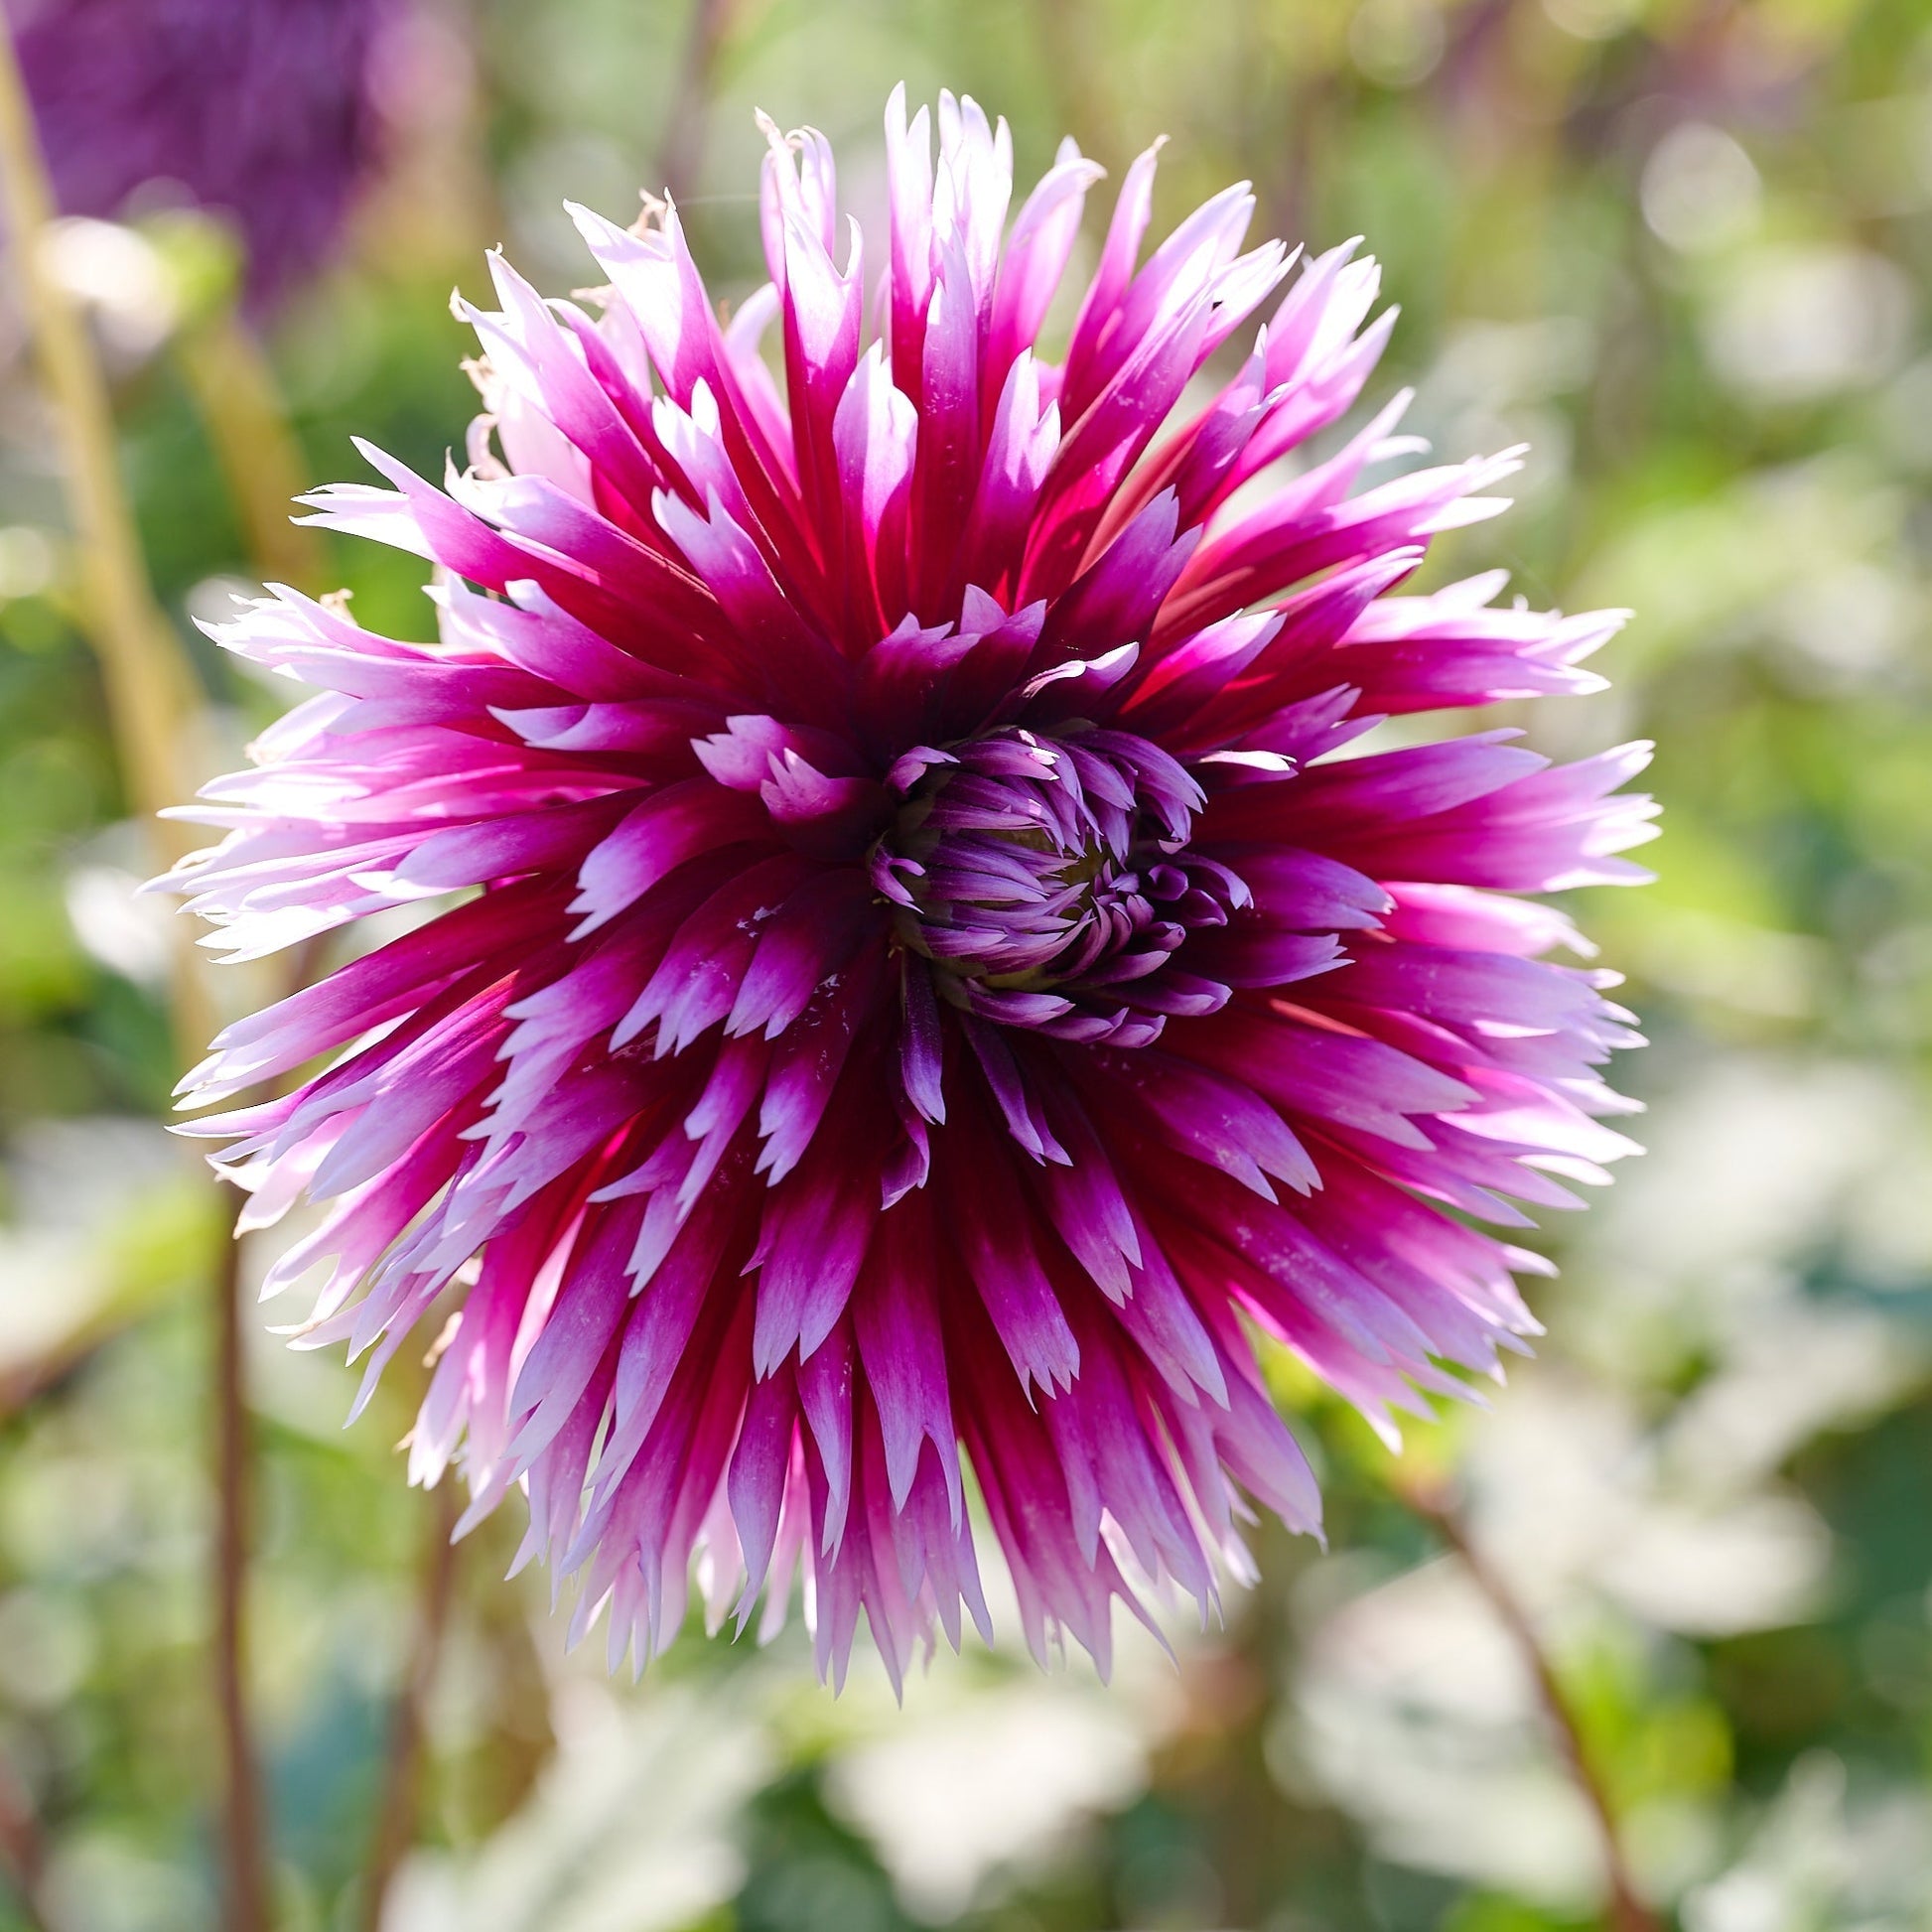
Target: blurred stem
149,682
1432,1501
682,152
23,1851
150,689
245,1906
400,1799
234,390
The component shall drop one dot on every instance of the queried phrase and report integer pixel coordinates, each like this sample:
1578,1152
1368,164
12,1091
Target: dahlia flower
261,109
918,986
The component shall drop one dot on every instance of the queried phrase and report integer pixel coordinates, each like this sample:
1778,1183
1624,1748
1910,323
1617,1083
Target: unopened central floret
1049,880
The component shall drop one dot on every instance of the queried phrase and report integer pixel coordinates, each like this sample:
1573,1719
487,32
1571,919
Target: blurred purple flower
935,982
262,110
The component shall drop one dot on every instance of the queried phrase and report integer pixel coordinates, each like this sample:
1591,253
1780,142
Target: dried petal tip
929,972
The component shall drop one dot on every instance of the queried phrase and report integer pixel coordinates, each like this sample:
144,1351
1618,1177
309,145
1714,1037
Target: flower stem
1627,1911
400,1800
23,1851
247,1906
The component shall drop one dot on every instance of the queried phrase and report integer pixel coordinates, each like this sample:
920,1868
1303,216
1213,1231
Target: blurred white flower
1824,1857
630,1829
115,924
1753,1158
1709,1572
1700,188
1795,324
1845,625
217,600
72,1186
1395,42
1793,1369
123,279
46,1648
26,560
1414,1711
1000,1780
1569,1500
1494,386
104,1880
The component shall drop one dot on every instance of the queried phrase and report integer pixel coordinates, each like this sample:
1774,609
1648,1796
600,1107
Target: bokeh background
1681,247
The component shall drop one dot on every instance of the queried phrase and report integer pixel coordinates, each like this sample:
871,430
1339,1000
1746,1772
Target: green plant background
1684,249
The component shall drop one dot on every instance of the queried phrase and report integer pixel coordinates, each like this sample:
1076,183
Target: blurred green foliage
1684,248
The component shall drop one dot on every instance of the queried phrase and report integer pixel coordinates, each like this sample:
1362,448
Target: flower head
122,94
932,981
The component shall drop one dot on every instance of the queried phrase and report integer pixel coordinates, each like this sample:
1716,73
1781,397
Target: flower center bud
1047,879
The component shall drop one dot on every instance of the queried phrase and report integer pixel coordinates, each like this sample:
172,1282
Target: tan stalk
399,1803
241,409
150,684
150,687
